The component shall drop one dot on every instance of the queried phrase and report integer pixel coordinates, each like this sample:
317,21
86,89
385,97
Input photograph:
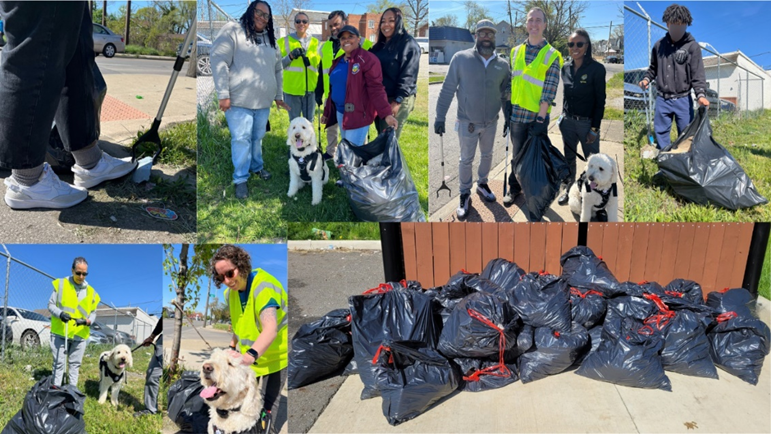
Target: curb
143,56
333,245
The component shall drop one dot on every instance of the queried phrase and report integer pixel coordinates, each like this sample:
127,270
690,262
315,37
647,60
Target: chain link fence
735,85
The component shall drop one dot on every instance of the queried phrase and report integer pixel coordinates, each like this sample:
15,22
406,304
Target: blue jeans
247,128
357,136
681,109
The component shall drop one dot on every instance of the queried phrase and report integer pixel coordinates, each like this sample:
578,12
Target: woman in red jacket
356,90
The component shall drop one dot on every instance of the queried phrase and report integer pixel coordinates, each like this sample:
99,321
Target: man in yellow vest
535,76
258,313
73,309
300,80
330,51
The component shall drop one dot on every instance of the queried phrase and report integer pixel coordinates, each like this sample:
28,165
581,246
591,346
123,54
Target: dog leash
152,343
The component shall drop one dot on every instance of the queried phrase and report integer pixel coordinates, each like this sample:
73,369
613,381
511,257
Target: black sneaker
327,156
485,192
264,174
241,191
143,413
465,201
510,198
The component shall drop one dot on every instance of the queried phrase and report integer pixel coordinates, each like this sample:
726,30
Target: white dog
595,191
306,163
112,367
230,390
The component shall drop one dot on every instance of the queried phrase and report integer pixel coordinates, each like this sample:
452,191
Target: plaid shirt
519,114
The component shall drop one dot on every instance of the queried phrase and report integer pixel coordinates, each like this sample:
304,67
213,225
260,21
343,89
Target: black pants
271,387
575,131
46,73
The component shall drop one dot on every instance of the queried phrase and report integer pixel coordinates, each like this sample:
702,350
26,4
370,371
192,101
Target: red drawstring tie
600,258
543,273
499,370
377,354
674,294
463,270
726,316
348,318
658,321
656,299
644,282
381,289
576,291
724,290
556,334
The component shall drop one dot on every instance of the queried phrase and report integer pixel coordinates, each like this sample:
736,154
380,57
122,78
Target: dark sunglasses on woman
578,44
221,277
301,21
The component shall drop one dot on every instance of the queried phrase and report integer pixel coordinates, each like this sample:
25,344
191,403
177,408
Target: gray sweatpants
484,135
299,106
76,348
153,377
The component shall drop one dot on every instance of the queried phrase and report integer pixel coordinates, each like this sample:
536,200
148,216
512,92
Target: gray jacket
481,91
249,74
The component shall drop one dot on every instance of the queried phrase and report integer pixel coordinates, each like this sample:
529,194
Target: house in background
445,41
132,320
746,91
368,25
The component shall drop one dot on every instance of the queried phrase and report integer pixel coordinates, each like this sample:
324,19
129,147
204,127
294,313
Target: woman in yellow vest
73,309
300,80
258,314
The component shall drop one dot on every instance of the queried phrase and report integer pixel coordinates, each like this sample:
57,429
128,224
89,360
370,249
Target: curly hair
247,22
583,33
398,26
79,260
238,256
675,13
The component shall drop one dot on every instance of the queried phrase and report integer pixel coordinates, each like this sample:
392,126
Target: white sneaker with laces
49,192
106,169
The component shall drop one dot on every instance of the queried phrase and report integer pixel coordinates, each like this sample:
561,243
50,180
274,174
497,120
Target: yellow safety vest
327,57
246,324
295,82
67,301
527,80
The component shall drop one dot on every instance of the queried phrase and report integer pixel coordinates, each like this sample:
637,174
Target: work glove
65,317
297,53
507,109
539,128
80,321
439,127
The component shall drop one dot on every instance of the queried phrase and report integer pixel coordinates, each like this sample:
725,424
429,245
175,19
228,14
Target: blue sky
270,257
728,26
122,274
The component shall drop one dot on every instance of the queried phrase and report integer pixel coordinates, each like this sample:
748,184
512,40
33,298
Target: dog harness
224,415
103,367
584,182
302,163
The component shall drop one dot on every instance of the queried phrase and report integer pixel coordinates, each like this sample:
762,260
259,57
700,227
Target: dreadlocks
675,13
247,22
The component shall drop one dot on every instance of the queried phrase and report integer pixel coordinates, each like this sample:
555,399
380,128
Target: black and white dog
112,372
306,163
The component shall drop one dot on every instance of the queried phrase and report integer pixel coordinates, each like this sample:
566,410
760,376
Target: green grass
263,216
339,231
16,379
613,114
147,51
225,327
748,140
616,82
178,143
436,79
764,287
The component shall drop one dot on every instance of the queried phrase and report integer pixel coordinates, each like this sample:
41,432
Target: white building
732,84
132,320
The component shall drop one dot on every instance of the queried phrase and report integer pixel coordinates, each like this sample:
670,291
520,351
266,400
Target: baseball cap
486,24
350,29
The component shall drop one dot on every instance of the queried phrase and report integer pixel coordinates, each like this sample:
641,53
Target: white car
423,44
30,329
107,42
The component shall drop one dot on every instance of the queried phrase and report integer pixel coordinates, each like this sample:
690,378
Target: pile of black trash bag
415,346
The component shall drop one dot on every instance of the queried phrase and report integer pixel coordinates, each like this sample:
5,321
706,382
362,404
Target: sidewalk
611,143
570,403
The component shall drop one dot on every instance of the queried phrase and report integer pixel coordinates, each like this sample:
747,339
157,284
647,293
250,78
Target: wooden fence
712,254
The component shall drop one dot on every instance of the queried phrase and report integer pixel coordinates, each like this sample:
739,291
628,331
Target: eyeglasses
485,34
577,44
301,21
261,14
80,273
228,274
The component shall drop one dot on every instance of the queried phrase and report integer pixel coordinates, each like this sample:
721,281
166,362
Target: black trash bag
582,269
503,273
525,338
587,308
481,374
411,378
539,168
686,347
478,326
627,357
737,300
320,348
685,289
595,336
186,407
398,315
638,308
542,301
378,181
49,411
453,292
700,170
739,344
554,352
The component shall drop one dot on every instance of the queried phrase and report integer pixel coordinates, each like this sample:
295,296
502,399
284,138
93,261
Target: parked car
635,97
112,335
423,43
30,329
727,106
614,59
97,337
107,42
203,64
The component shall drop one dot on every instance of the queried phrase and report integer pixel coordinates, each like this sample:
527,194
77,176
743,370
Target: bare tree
282,12
447,20
562,17
416,14
476,12
381,5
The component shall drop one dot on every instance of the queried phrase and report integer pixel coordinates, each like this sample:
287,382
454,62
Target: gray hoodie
249,74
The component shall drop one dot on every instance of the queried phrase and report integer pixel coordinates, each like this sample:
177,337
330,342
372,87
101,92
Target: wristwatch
252,352
399,100
539,119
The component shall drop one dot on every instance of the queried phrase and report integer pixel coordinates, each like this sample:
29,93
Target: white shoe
49,192
106,169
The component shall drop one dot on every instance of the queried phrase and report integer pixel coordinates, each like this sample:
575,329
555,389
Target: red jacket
364,89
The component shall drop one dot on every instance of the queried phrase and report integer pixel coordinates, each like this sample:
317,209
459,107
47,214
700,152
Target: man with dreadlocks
677,67
248,77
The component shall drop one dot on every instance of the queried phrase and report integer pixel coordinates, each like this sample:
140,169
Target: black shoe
241,191
486,193
339,183
465,202
564,197
143,413
510,198
327,156
264,174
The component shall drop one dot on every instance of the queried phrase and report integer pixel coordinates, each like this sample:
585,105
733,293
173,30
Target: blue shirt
338,79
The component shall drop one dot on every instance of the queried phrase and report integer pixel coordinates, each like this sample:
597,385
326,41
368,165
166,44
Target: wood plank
457,247
473,247
742,251
624,251
685,238
440,236
569,236
653,255
712,261
728,256
506,241
538,247
553,248
699,254
522,245
610,245
639,252
410,253
594,237
489,242
425,256
669,252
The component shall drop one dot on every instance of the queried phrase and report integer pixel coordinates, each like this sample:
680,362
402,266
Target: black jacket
400,60
584,91
673,78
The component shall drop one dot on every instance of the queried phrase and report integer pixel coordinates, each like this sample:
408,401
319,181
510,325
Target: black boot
563,199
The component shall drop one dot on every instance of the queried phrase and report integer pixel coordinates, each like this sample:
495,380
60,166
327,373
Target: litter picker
444,184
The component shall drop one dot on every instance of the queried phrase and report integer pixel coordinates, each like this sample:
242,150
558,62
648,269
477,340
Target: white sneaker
49,192
106,169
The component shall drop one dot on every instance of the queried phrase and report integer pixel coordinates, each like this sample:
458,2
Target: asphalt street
452,149
215,338
322,281
133,65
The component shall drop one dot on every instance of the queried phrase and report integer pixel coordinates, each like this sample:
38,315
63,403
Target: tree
382,5
415,15
476,12
447,20
618,33
562,17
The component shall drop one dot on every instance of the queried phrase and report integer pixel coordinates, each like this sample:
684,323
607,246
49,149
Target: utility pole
104,13
610,29
206,311
128,21
511,27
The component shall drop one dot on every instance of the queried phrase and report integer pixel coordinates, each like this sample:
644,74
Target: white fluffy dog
112,367
230,390
306,163
595,190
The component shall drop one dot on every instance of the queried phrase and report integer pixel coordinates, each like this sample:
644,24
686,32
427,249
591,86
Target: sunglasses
301,21
485,34
80,273
228,274
261,14
577,44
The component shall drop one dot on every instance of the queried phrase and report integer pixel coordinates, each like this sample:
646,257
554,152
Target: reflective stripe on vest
527,81
296,81
66,302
